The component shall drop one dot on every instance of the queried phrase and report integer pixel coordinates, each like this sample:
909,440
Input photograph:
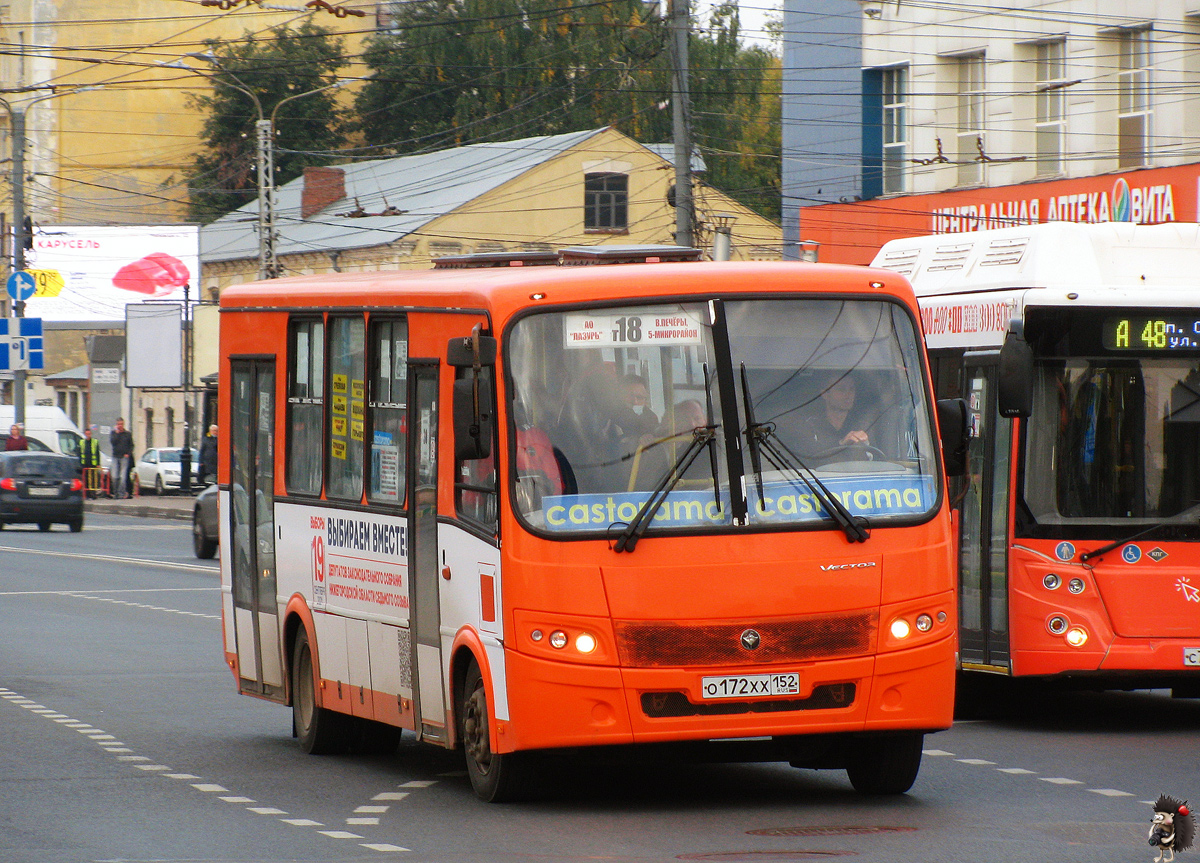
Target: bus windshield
610,404
1114,439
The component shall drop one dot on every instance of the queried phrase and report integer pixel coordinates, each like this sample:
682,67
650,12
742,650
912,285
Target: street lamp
16,115
264,127
723,236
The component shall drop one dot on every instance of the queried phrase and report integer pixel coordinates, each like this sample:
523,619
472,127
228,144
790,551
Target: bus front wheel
320,731
887,764
496,778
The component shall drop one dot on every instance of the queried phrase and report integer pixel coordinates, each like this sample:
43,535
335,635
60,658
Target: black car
40,488
205,533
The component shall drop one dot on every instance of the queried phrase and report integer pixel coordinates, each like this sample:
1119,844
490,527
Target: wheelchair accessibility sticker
1131,553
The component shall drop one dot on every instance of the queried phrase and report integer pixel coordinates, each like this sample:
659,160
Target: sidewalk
177,506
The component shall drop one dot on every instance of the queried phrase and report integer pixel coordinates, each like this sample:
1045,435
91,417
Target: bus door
983,542
424,572
251,494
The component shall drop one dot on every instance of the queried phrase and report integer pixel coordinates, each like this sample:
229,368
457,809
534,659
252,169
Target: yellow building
104,88
537,194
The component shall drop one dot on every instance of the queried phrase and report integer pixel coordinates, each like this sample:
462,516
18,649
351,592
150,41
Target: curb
138,510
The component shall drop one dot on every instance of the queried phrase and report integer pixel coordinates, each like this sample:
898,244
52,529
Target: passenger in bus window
640,419
661,447
892,424
834,421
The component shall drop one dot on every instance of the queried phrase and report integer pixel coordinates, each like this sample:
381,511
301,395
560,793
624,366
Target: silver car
205,530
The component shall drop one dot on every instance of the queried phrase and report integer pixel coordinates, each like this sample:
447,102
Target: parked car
205,529
40,488
159,469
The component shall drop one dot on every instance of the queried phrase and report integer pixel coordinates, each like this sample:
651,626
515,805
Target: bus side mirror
956,434
472,417
1015,389
472,350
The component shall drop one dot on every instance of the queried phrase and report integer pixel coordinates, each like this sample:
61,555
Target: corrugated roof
417,188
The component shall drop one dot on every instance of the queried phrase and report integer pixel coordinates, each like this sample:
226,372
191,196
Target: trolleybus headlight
1075,585
1057,624
924,623
558,639
585,643
900,628
536,635
1051,581
1077,636
941,617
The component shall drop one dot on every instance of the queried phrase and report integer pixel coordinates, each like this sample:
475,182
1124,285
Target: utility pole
681,123
17,115
268,263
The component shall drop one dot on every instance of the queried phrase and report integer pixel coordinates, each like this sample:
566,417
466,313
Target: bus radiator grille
665,705
656,644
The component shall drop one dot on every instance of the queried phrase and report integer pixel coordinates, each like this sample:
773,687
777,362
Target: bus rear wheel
496,778
887,764
319,731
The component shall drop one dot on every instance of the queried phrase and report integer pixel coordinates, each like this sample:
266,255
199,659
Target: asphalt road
122,739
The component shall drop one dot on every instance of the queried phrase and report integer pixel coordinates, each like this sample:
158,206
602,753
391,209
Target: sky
753,14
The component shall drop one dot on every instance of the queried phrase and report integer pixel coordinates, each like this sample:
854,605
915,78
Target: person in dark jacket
121,441
208,457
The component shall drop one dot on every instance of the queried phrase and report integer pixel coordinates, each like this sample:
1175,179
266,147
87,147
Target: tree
450,72
286,62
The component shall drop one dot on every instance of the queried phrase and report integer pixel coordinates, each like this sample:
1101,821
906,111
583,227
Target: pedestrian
16,439
89,462
121,441
208,456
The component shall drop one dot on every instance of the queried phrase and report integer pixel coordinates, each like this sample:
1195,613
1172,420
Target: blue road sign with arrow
21,285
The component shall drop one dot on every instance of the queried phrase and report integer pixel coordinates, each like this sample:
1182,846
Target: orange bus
525,508
1078,349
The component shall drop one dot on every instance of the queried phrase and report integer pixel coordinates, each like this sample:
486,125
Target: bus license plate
750,685
43,492
1191,656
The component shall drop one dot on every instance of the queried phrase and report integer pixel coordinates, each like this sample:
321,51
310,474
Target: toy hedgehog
1172,829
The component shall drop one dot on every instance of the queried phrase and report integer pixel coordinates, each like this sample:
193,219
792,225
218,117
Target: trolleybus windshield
605,401
1114,436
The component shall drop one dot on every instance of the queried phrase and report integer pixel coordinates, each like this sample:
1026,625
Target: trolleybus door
251,495
983,563
424,572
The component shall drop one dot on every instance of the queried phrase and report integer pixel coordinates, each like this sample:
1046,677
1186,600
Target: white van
48,429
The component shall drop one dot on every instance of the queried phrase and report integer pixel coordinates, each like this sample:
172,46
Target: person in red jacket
16,439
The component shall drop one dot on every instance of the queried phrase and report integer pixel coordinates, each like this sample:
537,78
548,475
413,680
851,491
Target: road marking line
1058,780
208,787
975,761
119,749
266,810
302,822
362,820
1016,771
235,799
1110,792
132,758
936,752
419,783
364,810
181,776
339,834
136,561
381,846
390,795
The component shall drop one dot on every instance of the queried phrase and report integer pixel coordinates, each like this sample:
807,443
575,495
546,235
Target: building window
388,409
1133,113
149,415
170,426
605,202
1051,118
347,407
895,131
306,406
970,119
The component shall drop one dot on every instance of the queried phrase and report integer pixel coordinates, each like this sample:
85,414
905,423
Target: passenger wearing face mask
638,419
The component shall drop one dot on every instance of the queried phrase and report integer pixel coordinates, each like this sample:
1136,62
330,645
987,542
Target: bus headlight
585,643
1057,625
1075,585
900,628
924,623
1051,581
558,639
1077,636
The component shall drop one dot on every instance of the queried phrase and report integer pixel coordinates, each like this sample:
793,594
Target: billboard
105,268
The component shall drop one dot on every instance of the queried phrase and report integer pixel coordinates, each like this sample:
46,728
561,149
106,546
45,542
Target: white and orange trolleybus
523,508
1078,349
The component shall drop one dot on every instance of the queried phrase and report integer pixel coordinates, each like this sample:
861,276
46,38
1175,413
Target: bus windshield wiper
1105,549
759,438
702,436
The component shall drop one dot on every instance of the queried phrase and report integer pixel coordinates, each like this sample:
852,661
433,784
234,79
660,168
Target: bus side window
347,396
388,411
475,497
306,406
